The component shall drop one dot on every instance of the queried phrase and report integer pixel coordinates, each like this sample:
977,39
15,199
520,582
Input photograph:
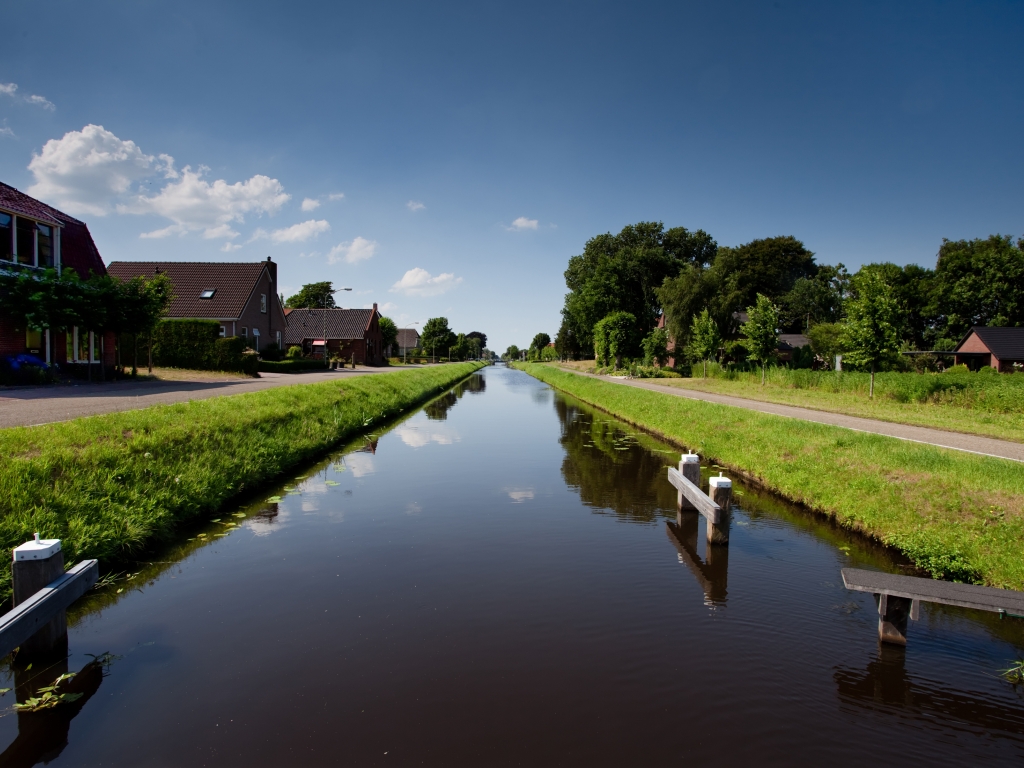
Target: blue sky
450,158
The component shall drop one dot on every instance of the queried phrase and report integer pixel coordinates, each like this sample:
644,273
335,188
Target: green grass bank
110,486
956,515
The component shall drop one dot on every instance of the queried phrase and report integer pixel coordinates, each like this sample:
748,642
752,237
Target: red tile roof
341,324
231,282
77,249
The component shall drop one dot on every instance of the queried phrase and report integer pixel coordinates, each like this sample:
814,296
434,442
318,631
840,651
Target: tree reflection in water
609,468
437,409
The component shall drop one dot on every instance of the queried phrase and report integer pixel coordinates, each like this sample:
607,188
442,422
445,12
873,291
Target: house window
26,241
263,303
256,339
245,332
208,293
278,339
79,346
223,332
6,237
33,341
44,246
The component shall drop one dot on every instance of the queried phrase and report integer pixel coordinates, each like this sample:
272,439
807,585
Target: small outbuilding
1000,348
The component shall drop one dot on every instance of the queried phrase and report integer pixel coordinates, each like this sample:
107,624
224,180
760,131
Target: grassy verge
109,486
976,404
956,515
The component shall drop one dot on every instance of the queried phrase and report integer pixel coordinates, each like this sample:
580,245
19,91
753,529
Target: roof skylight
208,293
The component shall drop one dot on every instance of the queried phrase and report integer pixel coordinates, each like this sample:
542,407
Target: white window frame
263,303
223,331
54,241
245,332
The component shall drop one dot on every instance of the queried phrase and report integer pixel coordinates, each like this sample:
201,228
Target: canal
498,579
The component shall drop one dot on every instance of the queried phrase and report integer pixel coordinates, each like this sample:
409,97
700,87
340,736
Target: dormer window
208,293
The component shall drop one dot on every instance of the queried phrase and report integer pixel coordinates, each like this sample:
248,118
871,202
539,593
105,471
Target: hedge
196,344
291,366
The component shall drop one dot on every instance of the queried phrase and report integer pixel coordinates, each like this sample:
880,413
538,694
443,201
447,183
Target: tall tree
540,341
313,296
437,336
872,323
704,339
512,353
979,282
816,299
623,273
761,332
388,332
615,337
655,347
478,335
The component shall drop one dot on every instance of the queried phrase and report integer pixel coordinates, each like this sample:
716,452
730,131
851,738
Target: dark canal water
498,580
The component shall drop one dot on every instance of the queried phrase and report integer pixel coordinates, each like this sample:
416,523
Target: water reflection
43,735
712,573
437,410
609,468
885,686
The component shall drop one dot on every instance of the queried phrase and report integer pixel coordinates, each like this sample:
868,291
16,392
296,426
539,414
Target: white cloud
92,171
387,306
309,204
336,196
418,282
297,233
41,102
415,205
11,89
358,250
522,223
229,247
5,131
194,204
87,170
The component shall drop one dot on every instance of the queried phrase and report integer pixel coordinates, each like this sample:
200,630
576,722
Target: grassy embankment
956,515
109,486
975,403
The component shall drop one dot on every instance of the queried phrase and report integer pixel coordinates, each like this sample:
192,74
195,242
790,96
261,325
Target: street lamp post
327,362
405,354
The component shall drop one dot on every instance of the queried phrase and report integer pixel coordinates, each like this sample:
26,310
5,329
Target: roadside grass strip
110,486
956,515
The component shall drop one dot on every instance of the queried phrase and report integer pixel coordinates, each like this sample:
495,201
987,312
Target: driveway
957,441
45,405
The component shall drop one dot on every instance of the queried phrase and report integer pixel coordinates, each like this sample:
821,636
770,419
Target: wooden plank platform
695,496
934,591
20,624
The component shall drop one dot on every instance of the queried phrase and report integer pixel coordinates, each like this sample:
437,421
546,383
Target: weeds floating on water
1015,674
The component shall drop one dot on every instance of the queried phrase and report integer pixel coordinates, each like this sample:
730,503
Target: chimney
273,271
375,306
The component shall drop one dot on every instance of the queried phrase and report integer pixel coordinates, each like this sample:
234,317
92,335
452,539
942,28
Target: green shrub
294,352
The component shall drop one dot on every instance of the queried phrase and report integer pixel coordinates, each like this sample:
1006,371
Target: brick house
33,237
241,296
408,339
350,333
996,347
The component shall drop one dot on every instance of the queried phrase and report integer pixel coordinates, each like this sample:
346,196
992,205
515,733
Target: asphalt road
957,441
45,405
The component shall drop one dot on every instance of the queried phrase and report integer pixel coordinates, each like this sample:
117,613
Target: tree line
622,283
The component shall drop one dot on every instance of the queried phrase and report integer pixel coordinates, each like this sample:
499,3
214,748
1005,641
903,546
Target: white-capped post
36,564
720,491
689,467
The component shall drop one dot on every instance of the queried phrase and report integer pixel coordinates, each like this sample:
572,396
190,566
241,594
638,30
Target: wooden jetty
42,593
899,598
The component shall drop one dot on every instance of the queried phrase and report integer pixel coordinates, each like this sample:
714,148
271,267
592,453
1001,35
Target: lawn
973,403
956,515
110,486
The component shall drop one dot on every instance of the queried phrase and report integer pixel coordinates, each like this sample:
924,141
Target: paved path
44,405
987,446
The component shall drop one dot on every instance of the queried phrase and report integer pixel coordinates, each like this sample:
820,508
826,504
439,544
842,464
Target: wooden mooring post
43,590
715,508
